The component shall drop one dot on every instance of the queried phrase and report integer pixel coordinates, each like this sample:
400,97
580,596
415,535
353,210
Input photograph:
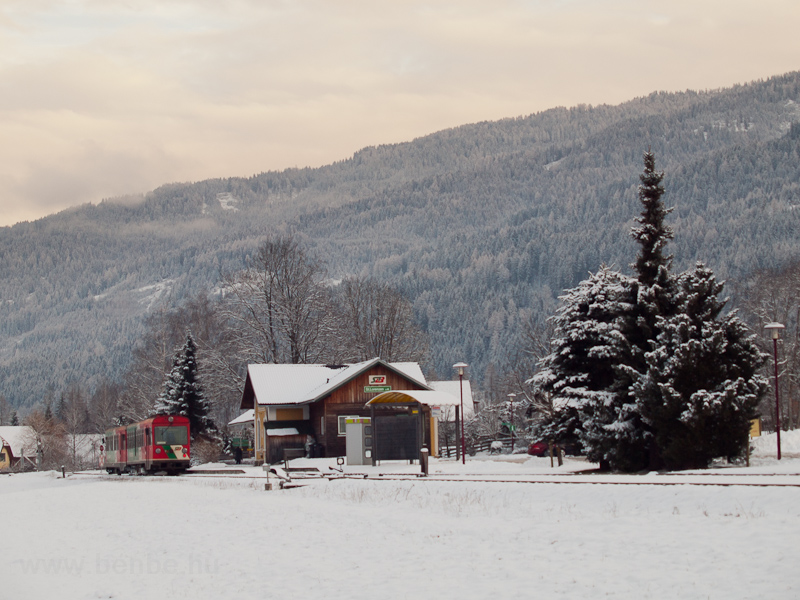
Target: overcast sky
100,98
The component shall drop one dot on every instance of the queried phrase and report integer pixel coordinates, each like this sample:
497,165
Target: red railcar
157,444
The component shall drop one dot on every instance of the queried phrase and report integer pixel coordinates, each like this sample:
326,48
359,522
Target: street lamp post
775,329
460,366
511,397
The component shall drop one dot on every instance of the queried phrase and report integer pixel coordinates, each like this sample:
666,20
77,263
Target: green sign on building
369,389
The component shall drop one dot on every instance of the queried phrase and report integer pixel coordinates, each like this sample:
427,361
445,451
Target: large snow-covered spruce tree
182,393
645,371
701,386
583,372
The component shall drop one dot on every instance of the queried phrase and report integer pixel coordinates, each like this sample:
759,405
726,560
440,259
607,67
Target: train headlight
158,450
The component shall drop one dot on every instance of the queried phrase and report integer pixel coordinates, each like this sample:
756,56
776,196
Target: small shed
404,423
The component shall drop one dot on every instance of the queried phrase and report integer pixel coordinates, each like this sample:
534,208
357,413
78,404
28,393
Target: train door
133,445
148,453
123,448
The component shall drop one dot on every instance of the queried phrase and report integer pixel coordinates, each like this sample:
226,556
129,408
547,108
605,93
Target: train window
171,436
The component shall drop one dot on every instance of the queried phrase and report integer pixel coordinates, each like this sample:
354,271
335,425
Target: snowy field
94,536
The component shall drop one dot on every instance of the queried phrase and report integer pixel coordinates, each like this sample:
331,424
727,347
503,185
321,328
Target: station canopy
406,397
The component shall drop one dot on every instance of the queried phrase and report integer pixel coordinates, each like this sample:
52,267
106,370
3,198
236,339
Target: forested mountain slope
481,225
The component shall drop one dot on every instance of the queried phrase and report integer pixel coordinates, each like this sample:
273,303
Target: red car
539,449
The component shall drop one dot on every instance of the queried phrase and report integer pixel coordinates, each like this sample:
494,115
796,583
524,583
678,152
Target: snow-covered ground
93,536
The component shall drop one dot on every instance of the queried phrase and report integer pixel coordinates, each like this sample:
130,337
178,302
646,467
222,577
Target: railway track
791,480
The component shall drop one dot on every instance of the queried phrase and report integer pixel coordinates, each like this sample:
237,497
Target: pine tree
61,408
182,393
14,419
652,233
702,386
584,373
646,372
655,300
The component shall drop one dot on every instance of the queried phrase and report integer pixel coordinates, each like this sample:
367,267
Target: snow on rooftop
426,397
282,431
21,439
275,384
244,418
454,389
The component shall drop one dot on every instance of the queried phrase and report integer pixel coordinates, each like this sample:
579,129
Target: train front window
171,436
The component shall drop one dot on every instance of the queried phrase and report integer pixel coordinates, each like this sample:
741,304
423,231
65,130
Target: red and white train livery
157,444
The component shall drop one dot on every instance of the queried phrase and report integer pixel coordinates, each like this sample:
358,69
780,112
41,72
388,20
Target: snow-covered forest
481,228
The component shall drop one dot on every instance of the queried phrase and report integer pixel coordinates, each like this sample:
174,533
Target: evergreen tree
182,393
646,372
584,373
14,419
701,387
655,299
61,408
652,233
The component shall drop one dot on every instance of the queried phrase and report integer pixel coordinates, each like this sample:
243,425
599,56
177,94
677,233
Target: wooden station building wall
350,400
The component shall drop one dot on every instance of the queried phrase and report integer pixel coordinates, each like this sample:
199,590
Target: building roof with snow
453,388
246,418
282,384
21,439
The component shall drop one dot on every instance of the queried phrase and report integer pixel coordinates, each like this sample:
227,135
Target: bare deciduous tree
281,305
50,437
378,321
104,406
770,296
5,411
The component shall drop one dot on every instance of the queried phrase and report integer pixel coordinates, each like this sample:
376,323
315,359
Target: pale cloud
101,98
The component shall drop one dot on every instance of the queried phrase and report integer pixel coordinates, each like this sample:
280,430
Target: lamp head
775,329
460,366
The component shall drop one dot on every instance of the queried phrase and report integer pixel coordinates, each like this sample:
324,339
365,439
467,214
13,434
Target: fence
482,445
